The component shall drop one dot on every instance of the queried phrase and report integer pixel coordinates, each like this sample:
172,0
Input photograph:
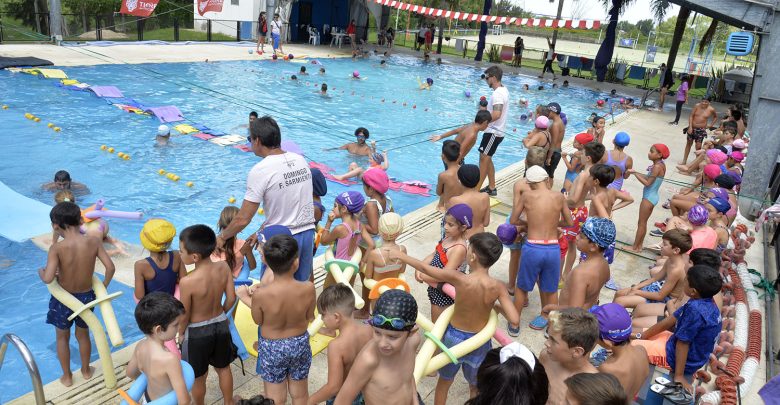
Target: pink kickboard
326,171
409,188
243,148
201,135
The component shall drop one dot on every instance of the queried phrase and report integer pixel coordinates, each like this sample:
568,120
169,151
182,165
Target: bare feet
88,373
67,380
634,249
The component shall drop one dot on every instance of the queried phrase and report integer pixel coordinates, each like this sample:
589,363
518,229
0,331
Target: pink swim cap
542,122
356,74
716,156
737,156
712,171
599,102
377,179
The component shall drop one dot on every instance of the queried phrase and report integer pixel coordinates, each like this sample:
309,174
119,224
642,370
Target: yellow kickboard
52,73
494,202
247,329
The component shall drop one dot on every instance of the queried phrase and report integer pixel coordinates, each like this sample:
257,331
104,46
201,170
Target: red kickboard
326,171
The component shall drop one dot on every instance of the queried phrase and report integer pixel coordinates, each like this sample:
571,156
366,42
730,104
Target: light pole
555,32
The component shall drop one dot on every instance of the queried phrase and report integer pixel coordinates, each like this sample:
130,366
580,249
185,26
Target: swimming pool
23,306
32,152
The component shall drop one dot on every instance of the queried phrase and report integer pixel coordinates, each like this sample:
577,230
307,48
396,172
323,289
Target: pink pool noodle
500,336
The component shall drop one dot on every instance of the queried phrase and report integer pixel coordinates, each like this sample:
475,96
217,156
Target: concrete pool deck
645,127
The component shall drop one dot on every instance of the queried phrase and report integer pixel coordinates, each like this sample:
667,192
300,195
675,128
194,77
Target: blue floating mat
25,217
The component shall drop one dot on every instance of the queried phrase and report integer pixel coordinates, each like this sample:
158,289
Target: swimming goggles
395,323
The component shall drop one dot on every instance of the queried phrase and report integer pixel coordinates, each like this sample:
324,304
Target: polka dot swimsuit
437,297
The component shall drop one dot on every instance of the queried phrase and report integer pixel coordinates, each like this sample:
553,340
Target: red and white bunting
528,22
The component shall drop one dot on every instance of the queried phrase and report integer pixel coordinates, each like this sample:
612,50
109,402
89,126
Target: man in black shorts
557,129
498,106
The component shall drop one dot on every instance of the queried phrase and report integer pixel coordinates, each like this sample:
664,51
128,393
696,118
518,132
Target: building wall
244,10
331,12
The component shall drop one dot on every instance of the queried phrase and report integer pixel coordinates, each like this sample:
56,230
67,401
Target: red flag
140,8
204,6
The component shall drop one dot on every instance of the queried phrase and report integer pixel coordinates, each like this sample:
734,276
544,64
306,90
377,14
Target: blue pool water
23,306
220,95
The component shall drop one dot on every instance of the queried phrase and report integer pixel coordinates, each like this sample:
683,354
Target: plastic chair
637,73
587,66
314,36
620,72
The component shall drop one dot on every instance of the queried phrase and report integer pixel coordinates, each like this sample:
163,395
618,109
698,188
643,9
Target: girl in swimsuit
449,255
235,249
597,129
379,266
652,182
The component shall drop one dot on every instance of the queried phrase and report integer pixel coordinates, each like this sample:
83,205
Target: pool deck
422,225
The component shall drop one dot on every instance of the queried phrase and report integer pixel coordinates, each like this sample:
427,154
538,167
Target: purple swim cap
698,215
720,193
507,233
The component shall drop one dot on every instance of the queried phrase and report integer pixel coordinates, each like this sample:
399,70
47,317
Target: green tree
645,26
31,12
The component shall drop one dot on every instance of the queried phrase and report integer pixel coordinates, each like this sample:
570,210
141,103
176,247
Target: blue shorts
59,313
540,262
655,287
276,40
357,401
470,362
282,358
305,241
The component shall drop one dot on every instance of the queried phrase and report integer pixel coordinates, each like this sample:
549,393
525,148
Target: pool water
220,95
23,306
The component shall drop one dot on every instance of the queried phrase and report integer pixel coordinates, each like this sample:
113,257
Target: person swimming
163,135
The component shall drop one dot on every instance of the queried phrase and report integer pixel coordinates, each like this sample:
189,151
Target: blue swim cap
600,231
622,139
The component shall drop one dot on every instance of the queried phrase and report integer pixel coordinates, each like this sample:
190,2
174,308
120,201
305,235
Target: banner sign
204,6
139,8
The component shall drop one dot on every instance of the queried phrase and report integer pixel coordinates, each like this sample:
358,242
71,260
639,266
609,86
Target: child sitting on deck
696,324
283,308
204,332
72,263
157,315
379,264
235,249
571,335
383,370
476,296
336,304
163,269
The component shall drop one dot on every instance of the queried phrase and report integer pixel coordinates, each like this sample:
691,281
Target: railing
29,361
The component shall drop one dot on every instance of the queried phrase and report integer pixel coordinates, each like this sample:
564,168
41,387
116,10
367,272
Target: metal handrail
29,361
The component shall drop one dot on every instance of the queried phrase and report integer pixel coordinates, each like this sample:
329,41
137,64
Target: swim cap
583,138
507,233
377,157
712,171
463,214
274,57
356,74
353,200
554,107
391,225
698,215
721,205
662,149
716,157
737,156
736,176
719,193
157,234
725,181
739,144
319,185
429,81
564,119
394,304
599,102
377,179
600,231
542,122
614,322
483,98
468,175
622,139
536,174
163,130
270,231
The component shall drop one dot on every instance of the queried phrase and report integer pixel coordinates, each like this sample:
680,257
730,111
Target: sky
593,9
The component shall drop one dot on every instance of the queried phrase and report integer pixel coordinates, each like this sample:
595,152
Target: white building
224,22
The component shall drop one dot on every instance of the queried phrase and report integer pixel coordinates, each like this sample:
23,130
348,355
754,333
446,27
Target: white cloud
592,9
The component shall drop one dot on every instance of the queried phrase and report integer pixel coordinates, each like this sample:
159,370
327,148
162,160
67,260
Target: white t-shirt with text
499,96
281,184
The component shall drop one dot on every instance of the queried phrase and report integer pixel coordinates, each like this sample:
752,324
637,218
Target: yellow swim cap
391,225
157,234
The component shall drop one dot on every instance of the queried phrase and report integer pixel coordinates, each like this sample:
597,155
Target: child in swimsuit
235,249
449,255
379,266
346,234
375,186
91,227
597,129
652,182
320,189
161,271
573,164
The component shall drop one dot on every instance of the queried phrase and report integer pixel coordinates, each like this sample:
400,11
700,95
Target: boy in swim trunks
204,333
158,315
592,154
283,309
545,211
336,304
384,370
447,184
582,285
72,263
476,295
467,134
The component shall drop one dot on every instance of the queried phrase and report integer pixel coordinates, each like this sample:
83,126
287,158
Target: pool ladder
29,361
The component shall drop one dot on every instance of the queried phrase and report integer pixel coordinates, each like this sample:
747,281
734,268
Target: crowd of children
674,324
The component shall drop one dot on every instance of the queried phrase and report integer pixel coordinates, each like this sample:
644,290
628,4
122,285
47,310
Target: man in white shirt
276,33
549,60
282,183
498,106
